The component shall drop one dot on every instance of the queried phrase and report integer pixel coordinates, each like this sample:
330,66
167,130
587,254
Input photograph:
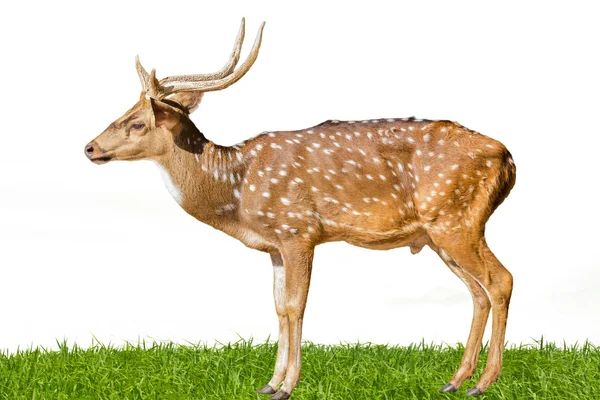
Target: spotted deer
378,184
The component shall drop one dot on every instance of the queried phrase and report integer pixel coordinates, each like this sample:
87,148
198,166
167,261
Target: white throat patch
170,185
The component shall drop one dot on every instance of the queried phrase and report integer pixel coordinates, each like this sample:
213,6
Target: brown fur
378,184
375,184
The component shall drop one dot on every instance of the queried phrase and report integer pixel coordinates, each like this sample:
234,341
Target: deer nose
95,153
92,150
89,150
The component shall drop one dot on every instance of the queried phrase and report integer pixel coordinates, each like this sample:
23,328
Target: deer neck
203,178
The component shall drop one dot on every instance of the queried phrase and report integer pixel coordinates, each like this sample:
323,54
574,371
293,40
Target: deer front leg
296,280
283,342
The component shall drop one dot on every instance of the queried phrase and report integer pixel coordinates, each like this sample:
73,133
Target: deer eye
137,127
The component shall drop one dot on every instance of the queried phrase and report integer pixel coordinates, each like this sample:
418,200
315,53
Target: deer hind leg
499,284
476,259
481,311
283,342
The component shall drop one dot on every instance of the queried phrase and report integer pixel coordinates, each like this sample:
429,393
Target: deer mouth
103,159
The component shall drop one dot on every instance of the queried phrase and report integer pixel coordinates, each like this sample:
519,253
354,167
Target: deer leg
297,267
481,311
499,284
283,342
479,262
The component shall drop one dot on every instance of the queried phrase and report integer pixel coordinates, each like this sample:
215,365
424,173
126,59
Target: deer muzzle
95,153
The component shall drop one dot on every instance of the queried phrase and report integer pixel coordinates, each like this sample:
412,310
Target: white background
105,251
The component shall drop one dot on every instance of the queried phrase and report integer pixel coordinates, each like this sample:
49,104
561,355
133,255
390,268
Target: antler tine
218,84
141,73
154,89
223,72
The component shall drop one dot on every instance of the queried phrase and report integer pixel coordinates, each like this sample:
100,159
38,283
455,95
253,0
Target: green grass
167,372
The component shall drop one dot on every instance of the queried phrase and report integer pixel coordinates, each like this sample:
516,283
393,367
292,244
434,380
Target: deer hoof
266,390
448,388
281,395
474,391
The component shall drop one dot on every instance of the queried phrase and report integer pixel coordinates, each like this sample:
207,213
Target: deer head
155,122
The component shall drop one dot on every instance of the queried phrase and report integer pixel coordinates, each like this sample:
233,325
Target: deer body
378,184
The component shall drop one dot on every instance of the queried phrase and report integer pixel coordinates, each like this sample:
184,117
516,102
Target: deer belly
372,237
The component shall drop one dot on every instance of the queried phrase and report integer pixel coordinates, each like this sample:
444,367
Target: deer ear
164,115
189,100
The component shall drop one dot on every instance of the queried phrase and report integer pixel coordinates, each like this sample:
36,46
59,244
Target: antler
223,72
225,77
141,73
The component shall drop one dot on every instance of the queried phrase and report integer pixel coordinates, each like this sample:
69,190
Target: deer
378,184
